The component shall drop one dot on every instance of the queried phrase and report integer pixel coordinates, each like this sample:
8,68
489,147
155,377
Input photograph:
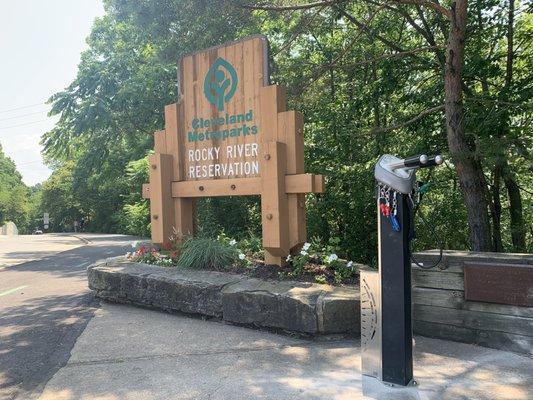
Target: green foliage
59,199
248,249
218,214
207,253
298,264
18,203
361,92
251,246
322,262
134,218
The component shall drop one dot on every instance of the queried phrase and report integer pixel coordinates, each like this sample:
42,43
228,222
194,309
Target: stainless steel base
371,324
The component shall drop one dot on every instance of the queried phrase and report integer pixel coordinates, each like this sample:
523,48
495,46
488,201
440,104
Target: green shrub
207,253
321,261
134,219
252,245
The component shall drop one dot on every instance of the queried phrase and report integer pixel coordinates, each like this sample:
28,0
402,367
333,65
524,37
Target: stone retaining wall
291,306
439,307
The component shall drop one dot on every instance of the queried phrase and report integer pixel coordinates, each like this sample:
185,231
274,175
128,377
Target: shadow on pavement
130,353
36,338
74,261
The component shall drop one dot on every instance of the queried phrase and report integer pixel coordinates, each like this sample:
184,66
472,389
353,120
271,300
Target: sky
40,46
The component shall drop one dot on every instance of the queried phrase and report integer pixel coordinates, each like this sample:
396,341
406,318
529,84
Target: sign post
46,220
230,135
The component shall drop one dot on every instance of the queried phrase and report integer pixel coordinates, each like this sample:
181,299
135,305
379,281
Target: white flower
350,264
288,258
306,246
128,255
304,253
134,244
333,257
242,256
232,242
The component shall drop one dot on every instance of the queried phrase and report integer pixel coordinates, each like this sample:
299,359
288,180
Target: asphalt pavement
45,304
25,248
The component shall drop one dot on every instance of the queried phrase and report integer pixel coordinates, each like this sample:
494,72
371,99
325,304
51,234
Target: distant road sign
46,226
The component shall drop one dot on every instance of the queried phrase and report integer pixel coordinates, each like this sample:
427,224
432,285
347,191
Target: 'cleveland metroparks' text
220,128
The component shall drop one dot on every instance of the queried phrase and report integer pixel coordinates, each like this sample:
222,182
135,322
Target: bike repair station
386,310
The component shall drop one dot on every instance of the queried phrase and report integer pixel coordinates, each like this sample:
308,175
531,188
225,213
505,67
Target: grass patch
203,253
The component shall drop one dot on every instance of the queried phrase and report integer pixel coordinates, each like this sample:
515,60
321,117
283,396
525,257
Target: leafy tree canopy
369,79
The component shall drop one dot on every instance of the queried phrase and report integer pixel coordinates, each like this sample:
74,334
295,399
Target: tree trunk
469,170
518,226
496,211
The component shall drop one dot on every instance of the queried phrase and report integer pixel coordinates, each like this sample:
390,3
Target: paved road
24,248
45,305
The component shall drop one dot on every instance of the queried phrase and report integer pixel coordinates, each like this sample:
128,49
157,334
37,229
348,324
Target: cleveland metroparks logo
220,83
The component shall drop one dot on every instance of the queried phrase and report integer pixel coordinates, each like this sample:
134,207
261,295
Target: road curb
299,307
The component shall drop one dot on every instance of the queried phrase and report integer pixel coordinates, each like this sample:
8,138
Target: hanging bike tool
386,328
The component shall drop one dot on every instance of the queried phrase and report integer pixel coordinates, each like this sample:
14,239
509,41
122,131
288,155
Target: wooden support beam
303,183
218,187
274,200
273,102
290,127
290,131
161,203
146,191
183,207
160,145
274,208
319,184
294,184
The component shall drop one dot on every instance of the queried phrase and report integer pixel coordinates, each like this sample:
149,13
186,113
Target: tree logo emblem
220,83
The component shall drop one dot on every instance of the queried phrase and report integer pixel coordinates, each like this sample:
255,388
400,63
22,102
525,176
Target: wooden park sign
230,135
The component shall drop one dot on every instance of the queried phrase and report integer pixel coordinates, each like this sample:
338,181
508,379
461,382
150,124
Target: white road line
12,290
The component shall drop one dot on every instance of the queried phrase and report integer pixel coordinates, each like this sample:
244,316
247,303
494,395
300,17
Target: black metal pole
395,269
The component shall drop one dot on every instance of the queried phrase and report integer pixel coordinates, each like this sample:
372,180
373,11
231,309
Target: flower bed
313,263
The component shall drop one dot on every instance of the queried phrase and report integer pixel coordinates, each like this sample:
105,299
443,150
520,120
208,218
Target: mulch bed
272,272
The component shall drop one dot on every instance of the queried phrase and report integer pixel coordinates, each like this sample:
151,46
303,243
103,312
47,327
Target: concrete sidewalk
128,353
